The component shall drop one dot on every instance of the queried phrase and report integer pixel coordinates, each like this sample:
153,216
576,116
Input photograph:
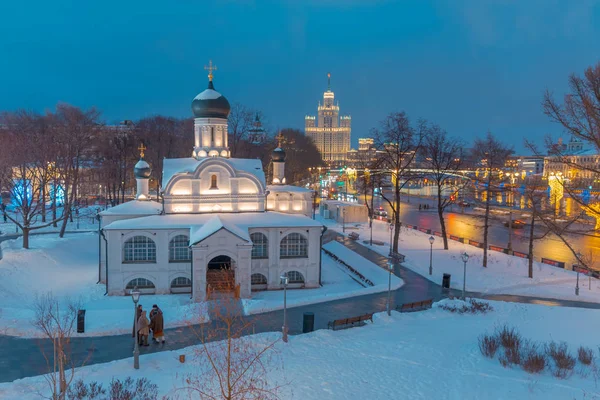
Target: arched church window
213,182
181,282
293,245
260,245
139,249
179,249
140,283
295,277
258,279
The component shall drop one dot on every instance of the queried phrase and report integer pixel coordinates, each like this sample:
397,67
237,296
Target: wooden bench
396,257
416,306
353,236
349,322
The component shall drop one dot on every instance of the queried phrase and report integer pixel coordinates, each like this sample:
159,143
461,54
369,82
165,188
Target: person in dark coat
157,324
144,331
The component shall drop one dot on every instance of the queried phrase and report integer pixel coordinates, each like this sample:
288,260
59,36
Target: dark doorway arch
220,275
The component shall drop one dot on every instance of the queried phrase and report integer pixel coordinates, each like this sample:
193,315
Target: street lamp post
344,220
135,295
431,240
510,230
577,284
390,265
391,231
284,329
465,258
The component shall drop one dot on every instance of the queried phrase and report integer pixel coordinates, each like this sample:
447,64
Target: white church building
218,227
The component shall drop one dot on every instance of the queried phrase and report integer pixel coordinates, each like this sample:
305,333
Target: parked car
463,203
380,213
516,224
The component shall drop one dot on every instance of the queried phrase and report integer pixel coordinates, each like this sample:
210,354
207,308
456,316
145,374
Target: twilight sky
470,66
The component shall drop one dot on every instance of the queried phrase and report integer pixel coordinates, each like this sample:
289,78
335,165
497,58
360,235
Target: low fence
474,243
360,276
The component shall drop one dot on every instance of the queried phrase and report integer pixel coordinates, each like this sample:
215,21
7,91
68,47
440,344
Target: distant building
257,134
573,161
364,156
329,131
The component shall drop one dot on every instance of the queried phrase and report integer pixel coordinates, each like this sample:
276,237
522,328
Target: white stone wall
223,242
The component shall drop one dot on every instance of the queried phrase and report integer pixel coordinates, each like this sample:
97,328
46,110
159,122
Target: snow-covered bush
563,361
470,306
488,345
128,389
585,355
533,358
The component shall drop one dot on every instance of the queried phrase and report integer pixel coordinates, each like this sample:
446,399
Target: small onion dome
278,155
210,104
142,169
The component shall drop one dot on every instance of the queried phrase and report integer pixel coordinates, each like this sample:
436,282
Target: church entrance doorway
220,275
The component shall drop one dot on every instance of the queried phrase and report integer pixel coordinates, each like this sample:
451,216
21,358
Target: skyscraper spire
329,82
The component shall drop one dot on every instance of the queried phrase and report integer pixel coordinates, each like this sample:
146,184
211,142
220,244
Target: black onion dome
210,104
278,155
142,169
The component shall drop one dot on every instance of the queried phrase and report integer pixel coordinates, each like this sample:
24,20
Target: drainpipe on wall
105,258
192,275
320,255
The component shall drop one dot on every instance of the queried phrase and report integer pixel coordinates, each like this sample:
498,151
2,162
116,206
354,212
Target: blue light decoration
522,189
57,193
585,196
21,193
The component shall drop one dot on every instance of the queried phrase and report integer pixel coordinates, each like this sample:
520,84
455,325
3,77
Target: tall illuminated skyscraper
329,131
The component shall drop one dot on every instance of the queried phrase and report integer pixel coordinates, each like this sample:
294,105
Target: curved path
21,358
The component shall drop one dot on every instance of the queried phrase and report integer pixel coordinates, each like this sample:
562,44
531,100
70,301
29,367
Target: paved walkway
21,358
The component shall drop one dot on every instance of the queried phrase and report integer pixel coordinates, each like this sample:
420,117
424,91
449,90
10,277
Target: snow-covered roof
288,188
208,94
172,166
212,226
243,221
135,207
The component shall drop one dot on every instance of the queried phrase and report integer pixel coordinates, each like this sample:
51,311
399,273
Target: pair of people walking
144,326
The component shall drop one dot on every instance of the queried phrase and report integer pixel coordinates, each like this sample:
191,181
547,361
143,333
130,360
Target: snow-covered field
69,269
426,355
85,221
336,280
504,275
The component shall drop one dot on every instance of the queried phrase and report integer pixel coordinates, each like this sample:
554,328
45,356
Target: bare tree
399,144
239,123
534,198
443,155
57,324
230,364
24,177
491,153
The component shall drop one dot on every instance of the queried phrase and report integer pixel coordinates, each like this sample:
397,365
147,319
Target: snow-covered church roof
135,207
212,226
173,166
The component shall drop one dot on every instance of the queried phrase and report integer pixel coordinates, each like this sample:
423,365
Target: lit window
139,249
213,182
179,249
295,277
293,245
258,279
140,283
260,245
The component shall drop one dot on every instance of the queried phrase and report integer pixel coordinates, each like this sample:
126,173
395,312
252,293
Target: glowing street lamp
465,258
431,240
284,329
390,266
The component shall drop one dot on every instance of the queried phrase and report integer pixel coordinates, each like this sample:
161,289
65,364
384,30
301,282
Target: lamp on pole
390,266
578,269
431,240
465,258
135,295
344,220
391,226
284,329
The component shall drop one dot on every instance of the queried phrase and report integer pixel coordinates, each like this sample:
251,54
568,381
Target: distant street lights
284,329
135,295
465,258
390,265
431,240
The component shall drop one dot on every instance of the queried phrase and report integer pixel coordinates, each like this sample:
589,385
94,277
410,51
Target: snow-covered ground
426,355
69,269
337,281
504,275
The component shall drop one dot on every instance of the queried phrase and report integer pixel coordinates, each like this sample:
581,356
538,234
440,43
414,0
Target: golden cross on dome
142,148
210,69
279,138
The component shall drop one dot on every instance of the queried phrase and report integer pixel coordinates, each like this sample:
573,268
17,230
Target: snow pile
337,283
68,268
504,275
425,355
